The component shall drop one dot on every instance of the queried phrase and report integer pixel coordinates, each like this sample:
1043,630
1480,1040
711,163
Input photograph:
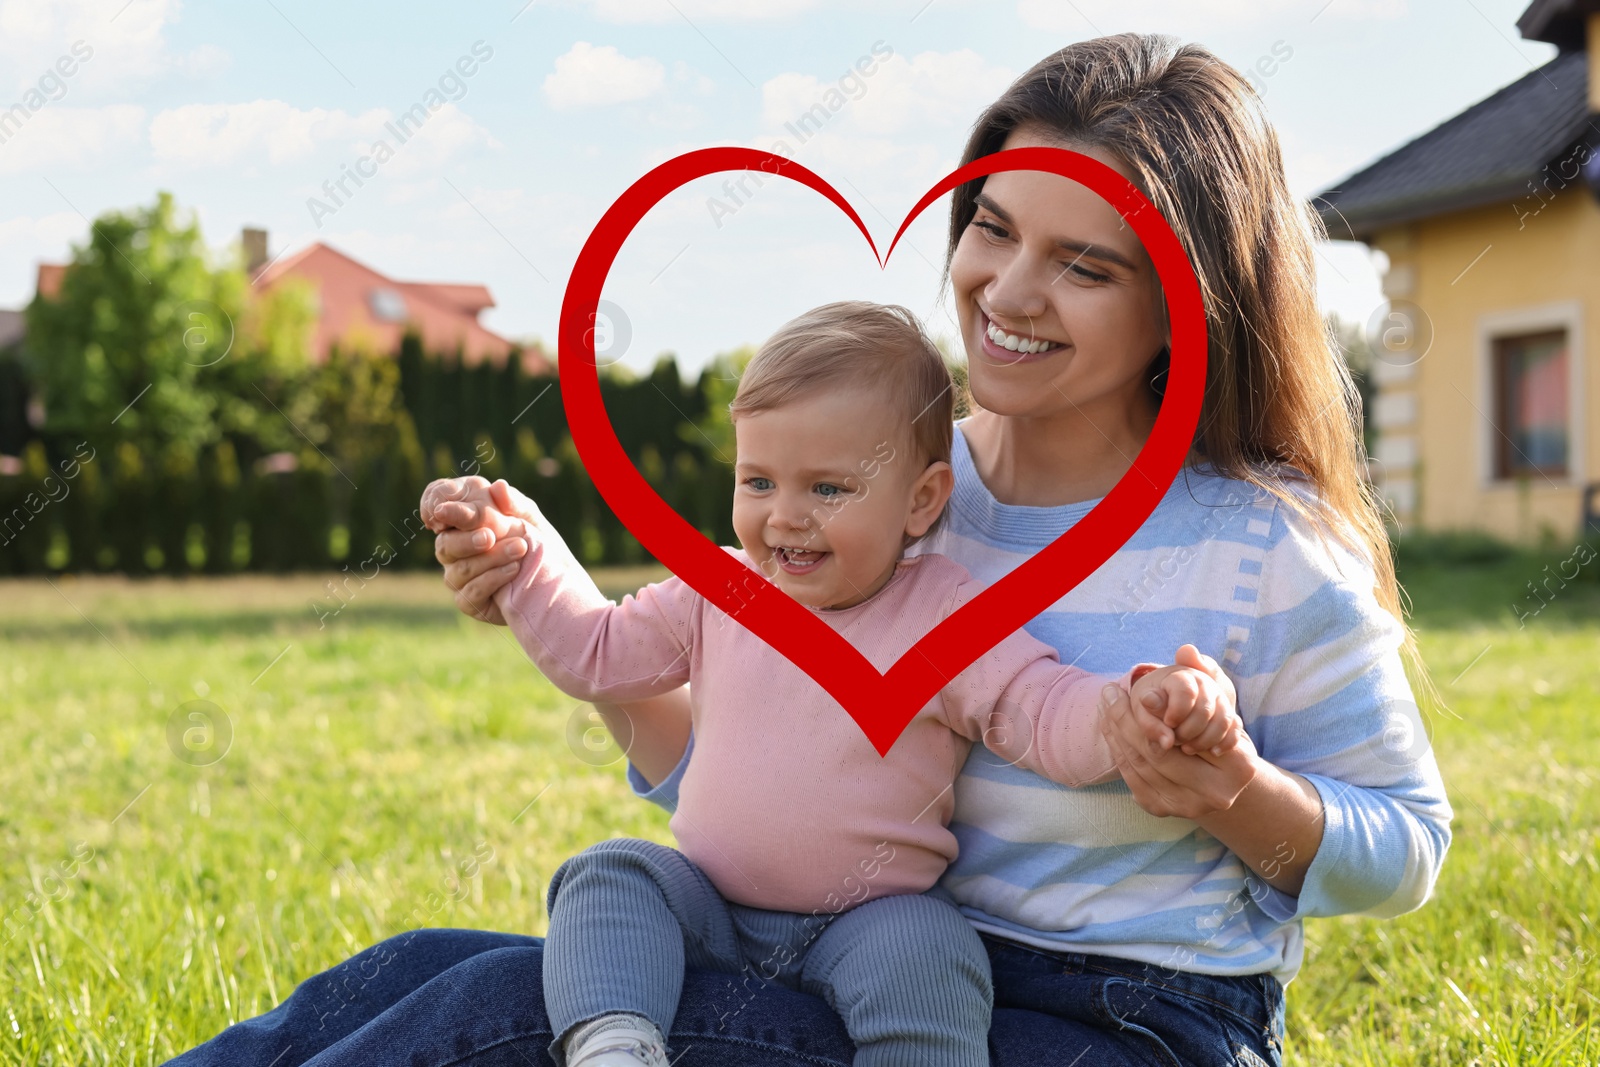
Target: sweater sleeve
589,647
1025,707
1324,695
664,795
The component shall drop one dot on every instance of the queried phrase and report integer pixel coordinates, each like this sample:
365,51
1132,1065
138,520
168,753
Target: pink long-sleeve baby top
785,804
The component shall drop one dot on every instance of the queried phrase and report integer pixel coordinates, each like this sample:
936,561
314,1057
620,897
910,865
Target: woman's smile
1009,347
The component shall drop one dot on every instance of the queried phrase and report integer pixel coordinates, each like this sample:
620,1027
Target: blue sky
244,110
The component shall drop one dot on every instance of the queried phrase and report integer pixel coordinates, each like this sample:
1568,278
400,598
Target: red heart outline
883,704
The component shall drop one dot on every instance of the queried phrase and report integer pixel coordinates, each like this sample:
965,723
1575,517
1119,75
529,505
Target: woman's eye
1087,275
991,229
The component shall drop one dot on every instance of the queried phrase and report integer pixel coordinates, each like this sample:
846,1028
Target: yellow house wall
1533,253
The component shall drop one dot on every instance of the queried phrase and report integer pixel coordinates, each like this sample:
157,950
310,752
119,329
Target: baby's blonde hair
857,345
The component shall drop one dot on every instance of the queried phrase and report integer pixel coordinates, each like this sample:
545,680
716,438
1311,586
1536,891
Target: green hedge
82,510
108,507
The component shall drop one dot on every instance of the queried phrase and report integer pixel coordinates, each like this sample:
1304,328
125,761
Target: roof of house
1496,150
357,302
1563,23
469,298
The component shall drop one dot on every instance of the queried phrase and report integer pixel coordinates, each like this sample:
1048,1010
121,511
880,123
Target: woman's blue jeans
471,998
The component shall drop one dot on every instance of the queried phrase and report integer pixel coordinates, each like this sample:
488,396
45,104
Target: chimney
51,276
255,250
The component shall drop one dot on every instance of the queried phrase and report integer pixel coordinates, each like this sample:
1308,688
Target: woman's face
1059,305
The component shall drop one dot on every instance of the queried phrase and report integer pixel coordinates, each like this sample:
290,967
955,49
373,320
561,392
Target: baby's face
824,496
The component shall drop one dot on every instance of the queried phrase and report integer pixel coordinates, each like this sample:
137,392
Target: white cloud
324,154
449,133
930,91
589,77
699,84
126,46
891,131
1091,18
219,134
29,242
56,137
206,61
660,11
59,228
502,206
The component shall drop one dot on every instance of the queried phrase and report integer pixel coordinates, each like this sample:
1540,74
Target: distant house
355,304
1488,363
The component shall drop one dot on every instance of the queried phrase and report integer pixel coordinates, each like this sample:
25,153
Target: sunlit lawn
152,896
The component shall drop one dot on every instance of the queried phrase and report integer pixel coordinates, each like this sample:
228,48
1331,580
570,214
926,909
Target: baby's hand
466,504
1191,703
484,529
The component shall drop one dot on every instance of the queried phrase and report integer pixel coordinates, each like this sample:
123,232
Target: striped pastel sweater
1292,617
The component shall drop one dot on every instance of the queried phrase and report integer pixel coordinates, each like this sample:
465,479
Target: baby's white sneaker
621,1040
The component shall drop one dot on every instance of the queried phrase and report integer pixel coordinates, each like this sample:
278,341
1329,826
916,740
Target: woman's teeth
1012,342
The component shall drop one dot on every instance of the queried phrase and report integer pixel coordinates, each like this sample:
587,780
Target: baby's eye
826,489
760,485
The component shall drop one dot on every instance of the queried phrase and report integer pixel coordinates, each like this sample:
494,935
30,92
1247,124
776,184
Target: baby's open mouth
797,560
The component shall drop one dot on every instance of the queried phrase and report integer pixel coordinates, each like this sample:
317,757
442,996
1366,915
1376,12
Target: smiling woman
1059,317
1155,919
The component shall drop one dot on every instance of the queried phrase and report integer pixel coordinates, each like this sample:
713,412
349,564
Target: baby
806,858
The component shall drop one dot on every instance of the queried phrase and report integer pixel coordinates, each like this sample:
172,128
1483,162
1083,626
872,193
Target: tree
1357,354
351,407
14,391
955,360
148,344
712,433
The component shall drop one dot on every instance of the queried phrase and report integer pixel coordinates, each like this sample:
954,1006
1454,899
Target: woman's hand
1270,818
483,529
1166,781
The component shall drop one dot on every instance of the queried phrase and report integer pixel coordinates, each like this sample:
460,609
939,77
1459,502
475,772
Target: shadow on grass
289,619
1451,581
184,610
1454,580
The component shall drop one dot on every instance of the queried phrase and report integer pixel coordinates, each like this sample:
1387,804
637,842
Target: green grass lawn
395,765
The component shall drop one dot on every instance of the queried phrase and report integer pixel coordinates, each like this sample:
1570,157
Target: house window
1531,404
387,305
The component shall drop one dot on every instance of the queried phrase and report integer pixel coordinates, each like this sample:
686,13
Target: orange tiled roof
358,303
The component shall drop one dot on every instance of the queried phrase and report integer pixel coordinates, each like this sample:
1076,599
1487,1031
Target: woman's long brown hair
1280,404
